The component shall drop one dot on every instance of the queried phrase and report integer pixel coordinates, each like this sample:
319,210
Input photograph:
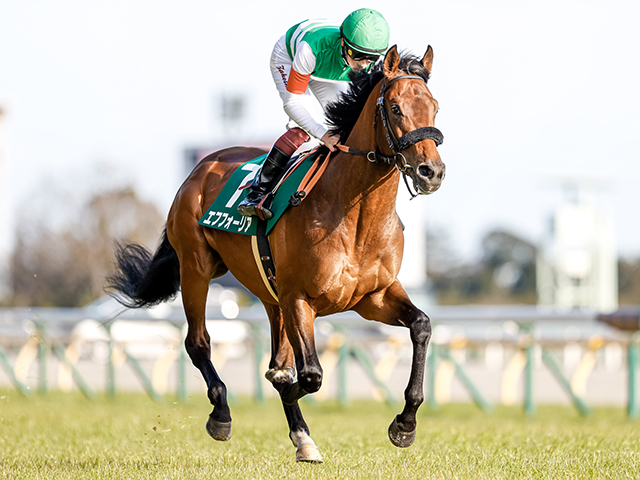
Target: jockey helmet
366,34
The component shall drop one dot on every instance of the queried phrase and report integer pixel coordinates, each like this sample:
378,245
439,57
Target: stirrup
249,208
263,212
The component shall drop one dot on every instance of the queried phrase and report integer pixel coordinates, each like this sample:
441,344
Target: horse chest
338,263
339,275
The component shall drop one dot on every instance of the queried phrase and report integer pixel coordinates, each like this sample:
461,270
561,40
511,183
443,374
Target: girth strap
261,249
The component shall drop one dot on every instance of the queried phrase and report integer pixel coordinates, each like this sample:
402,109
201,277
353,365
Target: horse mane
343,114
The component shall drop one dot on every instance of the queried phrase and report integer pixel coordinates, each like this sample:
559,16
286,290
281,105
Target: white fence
491,355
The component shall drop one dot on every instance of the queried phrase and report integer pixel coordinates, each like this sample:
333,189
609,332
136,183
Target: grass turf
64,435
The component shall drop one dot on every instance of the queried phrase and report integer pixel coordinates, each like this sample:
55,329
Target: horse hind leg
194,279
282,375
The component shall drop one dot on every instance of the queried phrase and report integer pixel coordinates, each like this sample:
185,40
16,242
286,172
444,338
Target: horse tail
142,279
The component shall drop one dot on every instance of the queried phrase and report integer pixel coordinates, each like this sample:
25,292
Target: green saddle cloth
223,214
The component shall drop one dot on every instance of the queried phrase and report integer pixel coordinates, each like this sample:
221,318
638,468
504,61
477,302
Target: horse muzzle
428,176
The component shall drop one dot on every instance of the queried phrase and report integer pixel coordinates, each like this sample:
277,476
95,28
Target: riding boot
275,162
263,183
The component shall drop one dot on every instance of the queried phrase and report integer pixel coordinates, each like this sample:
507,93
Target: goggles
359,56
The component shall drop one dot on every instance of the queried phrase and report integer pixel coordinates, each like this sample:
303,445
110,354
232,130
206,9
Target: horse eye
395,109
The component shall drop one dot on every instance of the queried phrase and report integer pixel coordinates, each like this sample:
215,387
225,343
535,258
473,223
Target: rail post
632,363
43,354
258,353
4,361
181,389
111,369
343,362
529,371
365,362
75,374
432,367
549,359
476,396
146,382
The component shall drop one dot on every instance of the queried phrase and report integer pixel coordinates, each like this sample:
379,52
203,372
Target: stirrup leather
262,211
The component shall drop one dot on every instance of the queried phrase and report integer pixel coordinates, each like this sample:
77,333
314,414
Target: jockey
314,56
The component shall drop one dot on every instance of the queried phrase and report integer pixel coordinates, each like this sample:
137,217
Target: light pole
6,230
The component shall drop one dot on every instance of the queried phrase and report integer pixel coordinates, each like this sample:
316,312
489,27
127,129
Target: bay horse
340,249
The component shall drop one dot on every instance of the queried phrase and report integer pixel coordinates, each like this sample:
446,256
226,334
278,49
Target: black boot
264,183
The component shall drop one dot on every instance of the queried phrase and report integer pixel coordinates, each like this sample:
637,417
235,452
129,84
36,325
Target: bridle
397,145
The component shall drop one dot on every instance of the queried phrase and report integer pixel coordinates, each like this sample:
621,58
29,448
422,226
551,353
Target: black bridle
397,145
408,139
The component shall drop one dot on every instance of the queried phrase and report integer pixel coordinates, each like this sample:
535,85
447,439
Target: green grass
66,436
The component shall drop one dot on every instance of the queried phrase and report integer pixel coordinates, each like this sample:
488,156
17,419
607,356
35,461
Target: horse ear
391,61
427,60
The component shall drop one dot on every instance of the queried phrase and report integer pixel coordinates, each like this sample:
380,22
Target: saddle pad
223,214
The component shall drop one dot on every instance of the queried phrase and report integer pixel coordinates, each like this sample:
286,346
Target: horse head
407,111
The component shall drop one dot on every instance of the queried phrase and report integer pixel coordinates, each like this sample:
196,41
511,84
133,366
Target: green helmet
365,31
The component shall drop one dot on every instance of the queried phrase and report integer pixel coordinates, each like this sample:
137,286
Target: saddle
299,177
317,155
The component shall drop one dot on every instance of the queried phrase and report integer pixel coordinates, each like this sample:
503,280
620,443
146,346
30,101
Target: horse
339,250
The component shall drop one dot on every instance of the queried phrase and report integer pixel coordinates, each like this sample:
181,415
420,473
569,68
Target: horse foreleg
198,345
393,307
281,374
298,318
306,449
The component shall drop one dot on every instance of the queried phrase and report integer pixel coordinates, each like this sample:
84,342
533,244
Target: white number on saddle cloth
250,176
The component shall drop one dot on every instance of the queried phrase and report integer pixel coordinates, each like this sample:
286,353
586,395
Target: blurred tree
629,281
64,262
511,262
441,255
505,273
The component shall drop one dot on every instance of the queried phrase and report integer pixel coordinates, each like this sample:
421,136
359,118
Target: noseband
397,145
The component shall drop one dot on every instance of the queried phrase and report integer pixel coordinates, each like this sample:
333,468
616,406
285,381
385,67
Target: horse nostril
426,171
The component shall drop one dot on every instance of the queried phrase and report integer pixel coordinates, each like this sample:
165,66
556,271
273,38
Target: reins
396,145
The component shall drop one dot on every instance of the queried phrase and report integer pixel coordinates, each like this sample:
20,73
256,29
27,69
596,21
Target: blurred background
105,107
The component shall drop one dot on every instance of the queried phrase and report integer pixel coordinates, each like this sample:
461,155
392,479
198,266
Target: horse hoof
399,438
309,454
283,375
220,431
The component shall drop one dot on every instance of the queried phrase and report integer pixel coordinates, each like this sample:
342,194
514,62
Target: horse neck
355,180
